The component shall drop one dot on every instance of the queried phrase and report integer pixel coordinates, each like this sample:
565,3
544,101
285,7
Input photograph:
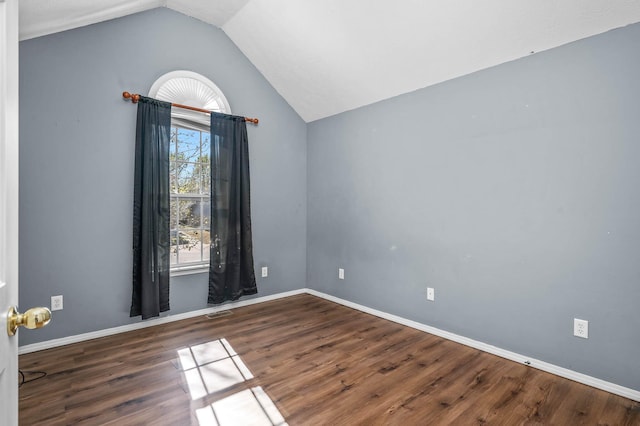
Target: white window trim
189,270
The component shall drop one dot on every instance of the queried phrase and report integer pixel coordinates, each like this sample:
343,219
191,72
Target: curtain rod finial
134,98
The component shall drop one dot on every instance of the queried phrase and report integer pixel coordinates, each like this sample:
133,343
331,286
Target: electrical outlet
431,294
340,273
581,328
265,271
56,303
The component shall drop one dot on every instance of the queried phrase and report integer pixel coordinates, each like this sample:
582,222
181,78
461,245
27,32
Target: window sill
189,270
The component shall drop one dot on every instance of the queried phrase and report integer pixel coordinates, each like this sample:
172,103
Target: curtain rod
136,97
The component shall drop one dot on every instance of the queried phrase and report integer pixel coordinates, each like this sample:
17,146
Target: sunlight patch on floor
212,367
215,366
248,407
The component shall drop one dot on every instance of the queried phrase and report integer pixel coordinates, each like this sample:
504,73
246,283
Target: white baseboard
541,365
34,347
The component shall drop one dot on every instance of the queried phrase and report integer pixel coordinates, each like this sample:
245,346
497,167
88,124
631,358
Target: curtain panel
151,239
231,273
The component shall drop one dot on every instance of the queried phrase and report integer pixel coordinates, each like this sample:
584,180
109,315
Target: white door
8,207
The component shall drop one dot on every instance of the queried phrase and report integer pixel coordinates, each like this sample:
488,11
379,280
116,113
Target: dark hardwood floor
319,363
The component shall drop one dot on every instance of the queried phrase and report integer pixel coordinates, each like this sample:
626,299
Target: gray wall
514,192
76,165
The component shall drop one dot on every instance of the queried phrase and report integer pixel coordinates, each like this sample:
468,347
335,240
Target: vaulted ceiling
329,56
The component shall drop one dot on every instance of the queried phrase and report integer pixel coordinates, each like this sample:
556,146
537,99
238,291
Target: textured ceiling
41,17
329,56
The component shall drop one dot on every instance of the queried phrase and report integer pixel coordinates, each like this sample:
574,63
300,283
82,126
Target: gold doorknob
33,318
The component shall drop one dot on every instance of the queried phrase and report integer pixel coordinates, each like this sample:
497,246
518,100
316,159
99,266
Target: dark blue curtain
151,243
231,273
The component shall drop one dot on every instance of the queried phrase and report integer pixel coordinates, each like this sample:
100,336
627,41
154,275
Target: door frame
9,124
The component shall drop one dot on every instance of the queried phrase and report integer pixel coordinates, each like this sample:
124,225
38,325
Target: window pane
189,213
189,249
187,178
188,145
198,173
173,216
173,188
174,139
175,244
206,147
206,213
207,244
206,178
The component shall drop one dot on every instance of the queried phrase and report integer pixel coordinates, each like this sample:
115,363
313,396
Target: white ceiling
329,56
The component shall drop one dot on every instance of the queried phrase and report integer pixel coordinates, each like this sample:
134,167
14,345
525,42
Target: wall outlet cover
56,303
431,294
581,328
341,273
265,271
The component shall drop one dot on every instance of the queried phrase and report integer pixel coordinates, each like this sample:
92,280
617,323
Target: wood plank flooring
320,363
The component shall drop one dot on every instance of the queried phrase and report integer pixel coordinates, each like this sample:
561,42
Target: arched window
189,168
